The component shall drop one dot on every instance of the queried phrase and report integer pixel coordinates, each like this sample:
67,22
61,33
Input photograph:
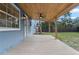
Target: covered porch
18,40
42,45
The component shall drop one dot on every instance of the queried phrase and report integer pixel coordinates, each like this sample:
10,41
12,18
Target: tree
66,21
76,23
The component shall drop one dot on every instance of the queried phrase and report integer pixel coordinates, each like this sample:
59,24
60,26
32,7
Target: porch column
40,26
56,32
49,23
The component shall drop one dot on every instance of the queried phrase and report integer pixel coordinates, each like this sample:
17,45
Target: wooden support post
56,33
40,26
49,27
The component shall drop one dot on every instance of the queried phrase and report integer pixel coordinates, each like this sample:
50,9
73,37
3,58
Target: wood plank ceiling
49,11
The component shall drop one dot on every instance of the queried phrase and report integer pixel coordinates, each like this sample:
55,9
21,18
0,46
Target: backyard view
67,28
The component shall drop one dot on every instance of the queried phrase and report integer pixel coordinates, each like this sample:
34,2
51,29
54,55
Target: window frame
19,19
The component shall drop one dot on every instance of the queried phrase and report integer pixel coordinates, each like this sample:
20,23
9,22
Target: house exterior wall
9,39
12,38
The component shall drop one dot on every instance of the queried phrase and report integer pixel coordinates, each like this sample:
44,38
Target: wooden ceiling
49,11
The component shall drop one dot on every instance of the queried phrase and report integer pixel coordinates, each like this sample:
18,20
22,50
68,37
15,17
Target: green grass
70,38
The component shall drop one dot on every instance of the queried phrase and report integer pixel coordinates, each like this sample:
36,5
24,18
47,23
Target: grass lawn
70,38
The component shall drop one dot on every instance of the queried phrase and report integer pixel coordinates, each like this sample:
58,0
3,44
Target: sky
75,12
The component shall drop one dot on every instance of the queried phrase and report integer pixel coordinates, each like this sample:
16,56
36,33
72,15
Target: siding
9,39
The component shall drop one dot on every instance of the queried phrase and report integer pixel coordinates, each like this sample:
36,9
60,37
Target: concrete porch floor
42,45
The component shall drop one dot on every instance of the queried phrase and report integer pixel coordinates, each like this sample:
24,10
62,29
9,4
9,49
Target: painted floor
42,45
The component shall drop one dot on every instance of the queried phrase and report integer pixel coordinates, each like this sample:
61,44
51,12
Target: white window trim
11,29
8,29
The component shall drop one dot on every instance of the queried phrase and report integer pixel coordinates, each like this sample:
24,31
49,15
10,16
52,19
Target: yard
70,38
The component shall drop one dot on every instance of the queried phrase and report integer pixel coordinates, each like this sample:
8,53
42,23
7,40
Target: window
9,16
